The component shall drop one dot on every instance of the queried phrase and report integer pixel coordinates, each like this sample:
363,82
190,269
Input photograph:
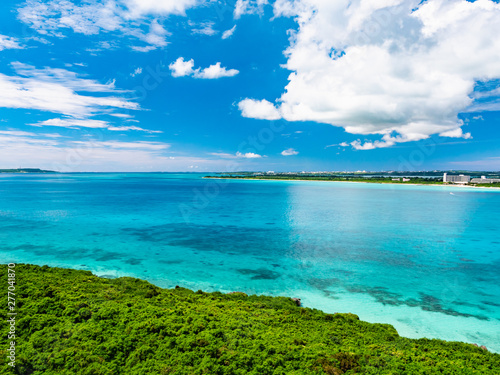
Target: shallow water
417,257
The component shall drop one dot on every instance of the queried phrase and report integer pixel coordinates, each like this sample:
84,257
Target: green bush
71,322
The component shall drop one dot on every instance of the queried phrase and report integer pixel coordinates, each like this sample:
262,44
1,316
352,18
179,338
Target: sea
425,259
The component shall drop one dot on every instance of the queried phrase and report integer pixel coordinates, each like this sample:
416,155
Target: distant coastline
362,181
25,170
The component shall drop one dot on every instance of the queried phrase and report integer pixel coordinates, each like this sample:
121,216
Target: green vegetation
494,184
324,177
25,170
382,178
72,322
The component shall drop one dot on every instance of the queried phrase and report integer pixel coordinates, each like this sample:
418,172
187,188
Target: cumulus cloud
401,69
456,133
121,17
248,7
289,152
7,42
228,33
215,71
248,155
259,109
182,68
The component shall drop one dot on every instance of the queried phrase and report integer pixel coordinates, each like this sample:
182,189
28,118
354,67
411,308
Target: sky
256,85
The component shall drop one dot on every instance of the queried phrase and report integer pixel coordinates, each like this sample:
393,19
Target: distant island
484,179
25,170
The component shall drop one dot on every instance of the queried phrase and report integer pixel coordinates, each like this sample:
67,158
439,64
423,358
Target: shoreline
355,182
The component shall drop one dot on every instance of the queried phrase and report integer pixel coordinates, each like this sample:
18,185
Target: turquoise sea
425,259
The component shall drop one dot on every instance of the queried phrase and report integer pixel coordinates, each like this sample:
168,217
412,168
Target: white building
484,180
460,179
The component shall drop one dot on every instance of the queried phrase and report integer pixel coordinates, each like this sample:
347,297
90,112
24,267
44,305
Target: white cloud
228,33
126,145
64,77
456,133
91,155
342,144
18,148
60,91
138,8
7,42
248,155
73,123
136,72
289,152
249,7
223,155
156,36
259,109
122,115
17,133
238,155
121,17
204,28
143,48
182,68
384,68
215,71
50,16
125,128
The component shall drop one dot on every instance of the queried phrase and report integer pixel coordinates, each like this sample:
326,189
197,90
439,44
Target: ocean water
425,259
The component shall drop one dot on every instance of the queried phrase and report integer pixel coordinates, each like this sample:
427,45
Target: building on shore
484,180
460,179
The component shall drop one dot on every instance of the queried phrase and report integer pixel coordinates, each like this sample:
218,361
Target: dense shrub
71,322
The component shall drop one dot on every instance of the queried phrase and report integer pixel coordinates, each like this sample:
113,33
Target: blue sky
192,85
